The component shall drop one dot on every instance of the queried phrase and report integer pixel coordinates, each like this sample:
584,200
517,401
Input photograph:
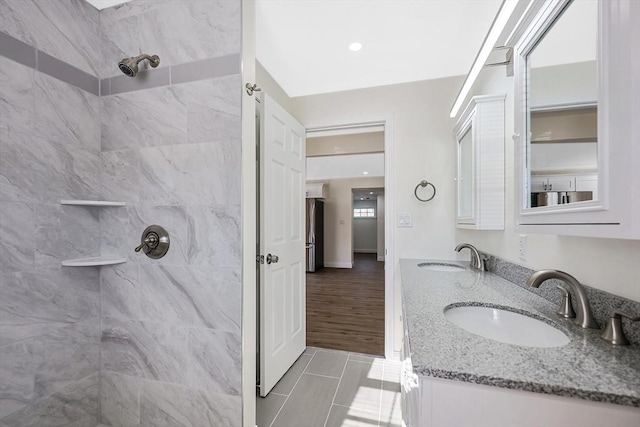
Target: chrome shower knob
154,242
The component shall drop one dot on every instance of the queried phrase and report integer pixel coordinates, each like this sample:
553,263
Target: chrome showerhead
129,66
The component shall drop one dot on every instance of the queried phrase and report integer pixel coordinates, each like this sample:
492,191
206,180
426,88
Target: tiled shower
146,342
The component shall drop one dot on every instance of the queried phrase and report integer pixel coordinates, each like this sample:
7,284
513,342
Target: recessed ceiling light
365,173
370,192
355,46
361,198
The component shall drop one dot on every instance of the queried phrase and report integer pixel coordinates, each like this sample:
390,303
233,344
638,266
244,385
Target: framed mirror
479,136
575,118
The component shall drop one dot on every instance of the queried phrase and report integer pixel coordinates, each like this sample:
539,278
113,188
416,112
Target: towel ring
425,183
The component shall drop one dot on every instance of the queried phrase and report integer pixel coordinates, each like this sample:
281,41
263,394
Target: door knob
272,259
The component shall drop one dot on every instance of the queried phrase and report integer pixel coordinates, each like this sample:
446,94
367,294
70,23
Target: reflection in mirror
465,175
562,98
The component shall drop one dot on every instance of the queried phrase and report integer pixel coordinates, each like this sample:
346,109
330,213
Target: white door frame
248,212
389,261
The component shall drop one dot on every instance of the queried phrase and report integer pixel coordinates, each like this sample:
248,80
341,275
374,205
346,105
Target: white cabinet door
562,183
539,183
588,183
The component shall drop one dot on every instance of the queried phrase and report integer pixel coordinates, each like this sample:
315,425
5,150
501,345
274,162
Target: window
364,212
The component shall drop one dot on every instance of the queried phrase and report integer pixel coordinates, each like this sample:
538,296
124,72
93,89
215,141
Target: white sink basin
506,326
441,266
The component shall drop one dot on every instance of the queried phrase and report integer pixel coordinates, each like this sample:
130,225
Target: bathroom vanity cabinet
479,136
436,402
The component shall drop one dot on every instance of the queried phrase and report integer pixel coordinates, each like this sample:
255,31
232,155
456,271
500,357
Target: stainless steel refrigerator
315,234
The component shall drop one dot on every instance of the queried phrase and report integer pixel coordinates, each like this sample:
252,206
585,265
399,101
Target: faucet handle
566,308
613,331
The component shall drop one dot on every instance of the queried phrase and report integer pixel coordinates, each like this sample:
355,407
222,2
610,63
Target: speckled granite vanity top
587,368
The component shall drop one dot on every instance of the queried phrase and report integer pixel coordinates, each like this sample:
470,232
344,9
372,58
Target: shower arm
154,60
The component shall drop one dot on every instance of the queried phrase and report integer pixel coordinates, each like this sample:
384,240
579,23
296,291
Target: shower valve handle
154,242
151,241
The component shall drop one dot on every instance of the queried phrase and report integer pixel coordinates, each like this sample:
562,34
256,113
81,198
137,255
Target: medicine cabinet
577,132
479,136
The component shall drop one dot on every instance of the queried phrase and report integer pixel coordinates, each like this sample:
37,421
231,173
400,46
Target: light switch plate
522,246
404,219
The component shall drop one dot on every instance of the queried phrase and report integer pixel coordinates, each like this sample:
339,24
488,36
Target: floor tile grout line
344,368
384,365
359,409
323,376
291,392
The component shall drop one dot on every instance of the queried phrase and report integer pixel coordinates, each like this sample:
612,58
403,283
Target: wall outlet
522,246
404,219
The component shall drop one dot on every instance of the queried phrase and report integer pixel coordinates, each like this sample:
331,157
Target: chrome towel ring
424,183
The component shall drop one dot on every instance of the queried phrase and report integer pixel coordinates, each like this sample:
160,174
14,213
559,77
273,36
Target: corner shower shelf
102,203
93,261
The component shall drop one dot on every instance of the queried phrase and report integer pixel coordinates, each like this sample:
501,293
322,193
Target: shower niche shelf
93,261
97,203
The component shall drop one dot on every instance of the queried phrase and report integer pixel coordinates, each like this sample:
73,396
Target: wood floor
345,307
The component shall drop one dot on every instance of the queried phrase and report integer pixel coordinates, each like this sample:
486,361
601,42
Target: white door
282,276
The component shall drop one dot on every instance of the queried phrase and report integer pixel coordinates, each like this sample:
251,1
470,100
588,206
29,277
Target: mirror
561,107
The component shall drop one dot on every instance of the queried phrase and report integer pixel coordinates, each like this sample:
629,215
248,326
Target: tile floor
329,388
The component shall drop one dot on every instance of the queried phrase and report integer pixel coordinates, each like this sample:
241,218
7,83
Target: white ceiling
367,193
103,4
303,44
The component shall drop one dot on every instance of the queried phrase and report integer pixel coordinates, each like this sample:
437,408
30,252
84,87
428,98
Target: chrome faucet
584,317
476,261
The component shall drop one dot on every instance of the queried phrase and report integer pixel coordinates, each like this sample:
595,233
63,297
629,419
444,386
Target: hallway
345,307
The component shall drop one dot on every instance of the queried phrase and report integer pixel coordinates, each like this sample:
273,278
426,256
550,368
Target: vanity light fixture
501,19
355,46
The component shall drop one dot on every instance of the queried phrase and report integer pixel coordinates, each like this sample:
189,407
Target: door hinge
260,259
251,88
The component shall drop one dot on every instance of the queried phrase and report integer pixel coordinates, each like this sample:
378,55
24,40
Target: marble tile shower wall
171,334
49,149
147,342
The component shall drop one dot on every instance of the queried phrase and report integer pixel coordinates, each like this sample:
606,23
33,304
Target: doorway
346,299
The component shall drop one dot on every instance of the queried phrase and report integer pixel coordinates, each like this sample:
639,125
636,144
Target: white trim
389,240
350,129
248,220
338,264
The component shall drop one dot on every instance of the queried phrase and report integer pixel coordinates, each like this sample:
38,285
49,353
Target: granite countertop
586,368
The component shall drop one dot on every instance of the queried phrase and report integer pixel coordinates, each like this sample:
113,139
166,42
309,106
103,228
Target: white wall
365,230
608,264
338,231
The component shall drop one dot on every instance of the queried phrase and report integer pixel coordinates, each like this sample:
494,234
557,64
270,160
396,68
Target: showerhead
129,66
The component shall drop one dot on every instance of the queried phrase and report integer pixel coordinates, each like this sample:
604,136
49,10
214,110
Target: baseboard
365,251
380,258
339,264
